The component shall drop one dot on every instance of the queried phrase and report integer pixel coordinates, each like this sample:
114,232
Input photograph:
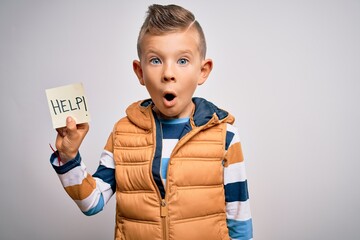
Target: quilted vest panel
195,200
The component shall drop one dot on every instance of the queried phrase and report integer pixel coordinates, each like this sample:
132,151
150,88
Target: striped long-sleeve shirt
92,192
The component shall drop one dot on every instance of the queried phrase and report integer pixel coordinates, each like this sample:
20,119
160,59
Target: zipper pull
163,208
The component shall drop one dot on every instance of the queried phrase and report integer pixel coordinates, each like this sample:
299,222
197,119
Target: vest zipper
163,205
164,214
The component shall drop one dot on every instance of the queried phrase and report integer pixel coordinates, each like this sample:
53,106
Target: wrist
64,167
65,157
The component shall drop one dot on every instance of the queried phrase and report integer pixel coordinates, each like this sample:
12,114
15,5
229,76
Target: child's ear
206,68
138,71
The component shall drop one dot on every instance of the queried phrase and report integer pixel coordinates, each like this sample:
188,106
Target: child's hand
69,139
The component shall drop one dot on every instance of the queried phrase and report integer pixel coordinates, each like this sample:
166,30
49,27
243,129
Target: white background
288,70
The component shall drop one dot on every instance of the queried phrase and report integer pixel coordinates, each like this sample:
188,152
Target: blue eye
182,61
155,61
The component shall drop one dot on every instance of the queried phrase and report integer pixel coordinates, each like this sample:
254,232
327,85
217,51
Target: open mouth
169,96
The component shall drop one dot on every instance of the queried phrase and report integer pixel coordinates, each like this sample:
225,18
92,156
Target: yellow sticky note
69,100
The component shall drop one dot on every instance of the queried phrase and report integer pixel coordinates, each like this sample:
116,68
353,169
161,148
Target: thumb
70,126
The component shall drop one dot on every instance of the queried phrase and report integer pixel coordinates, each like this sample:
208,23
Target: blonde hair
162,19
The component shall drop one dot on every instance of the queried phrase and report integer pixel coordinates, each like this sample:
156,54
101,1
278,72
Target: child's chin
168,114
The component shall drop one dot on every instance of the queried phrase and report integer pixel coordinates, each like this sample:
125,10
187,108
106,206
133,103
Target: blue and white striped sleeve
90,193
239,220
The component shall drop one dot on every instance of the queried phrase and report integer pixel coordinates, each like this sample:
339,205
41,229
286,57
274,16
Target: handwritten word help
68,105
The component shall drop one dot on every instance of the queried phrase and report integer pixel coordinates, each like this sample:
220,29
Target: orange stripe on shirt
234,154
109,144
83,190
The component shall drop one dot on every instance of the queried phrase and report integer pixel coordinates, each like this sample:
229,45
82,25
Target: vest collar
205,113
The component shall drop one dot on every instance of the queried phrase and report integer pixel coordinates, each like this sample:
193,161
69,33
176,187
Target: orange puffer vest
193,207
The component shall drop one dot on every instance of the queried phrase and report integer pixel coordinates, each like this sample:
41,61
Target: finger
58,142
83,127
61,131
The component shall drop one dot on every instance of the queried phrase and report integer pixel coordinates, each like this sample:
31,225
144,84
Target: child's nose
168,74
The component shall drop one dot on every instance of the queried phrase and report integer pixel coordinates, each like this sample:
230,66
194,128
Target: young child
174,162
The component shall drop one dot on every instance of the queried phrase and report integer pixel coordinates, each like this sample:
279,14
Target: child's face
171,68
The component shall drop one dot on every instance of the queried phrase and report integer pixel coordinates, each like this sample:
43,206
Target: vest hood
206,113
